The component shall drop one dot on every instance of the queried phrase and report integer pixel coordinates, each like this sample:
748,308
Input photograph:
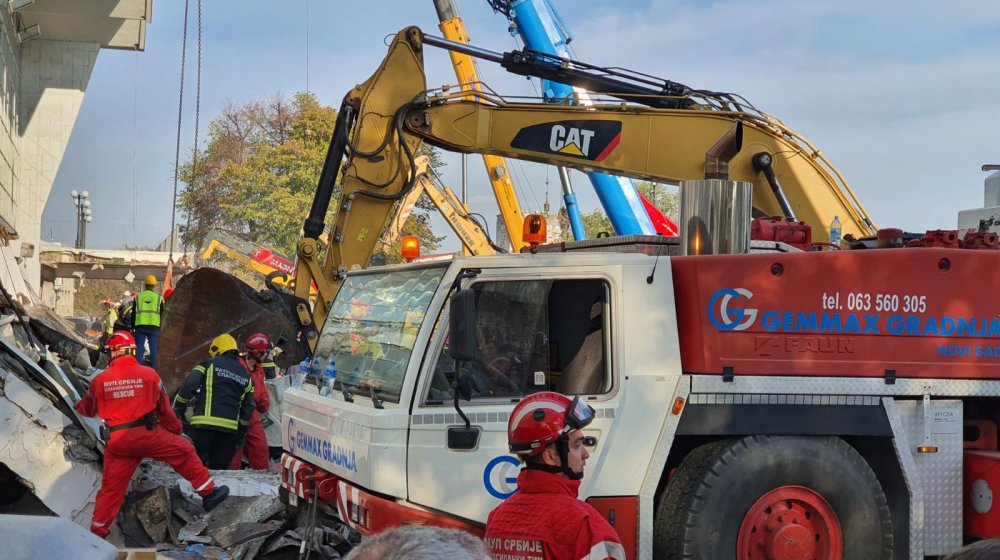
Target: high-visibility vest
109,320
147,309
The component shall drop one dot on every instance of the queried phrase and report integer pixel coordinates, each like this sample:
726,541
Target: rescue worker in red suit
545,520
140,423
255,349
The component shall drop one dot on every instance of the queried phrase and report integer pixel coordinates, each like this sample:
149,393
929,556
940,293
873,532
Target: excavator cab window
534,335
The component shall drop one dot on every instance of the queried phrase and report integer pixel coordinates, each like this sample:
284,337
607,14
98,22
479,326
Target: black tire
700,514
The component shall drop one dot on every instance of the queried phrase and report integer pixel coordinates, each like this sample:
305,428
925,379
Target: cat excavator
642,126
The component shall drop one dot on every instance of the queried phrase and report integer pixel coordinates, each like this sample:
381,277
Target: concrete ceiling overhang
115,24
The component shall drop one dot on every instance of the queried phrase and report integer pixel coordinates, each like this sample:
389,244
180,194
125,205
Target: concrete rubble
50,469
162,512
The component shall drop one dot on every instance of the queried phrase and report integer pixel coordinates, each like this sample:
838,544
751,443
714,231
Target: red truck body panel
922,312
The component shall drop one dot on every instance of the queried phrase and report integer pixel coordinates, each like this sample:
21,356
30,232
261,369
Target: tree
257,175
595,223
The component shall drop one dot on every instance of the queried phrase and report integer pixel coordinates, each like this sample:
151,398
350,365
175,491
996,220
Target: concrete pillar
53,79
60,295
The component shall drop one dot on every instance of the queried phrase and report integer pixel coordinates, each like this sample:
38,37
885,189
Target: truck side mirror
462,343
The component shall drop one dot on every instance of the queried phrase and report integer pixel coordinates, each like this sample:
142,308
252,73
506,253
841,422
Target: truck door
534,334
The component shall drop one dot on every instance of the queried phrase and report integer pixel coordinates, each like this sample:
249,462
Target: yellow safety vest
147,309
109,320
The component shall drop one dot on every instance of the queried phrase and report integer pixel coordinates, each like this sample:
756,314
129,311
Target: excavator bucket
209,302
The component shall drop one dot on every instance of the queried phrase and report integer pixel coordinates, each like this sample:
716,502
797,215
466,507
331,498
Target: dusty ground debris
51,461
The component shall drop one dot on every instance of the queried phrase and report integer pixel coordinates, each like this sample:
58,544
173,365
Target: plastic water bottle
835,231
329,378
300,376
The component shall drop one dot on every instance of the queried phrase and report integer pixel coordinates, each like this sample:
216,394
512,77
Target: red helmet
257,344
118,341
540,419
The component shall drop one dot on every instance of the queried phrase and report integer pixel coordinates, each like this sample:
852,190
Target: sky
903,97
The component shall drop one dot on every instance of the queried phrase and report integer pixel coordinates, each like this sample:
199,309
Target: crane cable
197,118
180,114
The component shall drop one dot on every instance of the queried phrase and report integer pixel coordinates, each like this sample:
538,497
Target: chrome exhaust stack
714,211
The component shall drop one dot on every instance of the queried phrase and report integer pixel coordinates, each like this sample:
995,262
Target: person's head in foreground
419,542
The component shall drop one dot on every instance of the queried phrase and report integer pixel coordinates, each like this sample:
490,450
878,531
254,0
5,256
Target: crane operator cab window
534,335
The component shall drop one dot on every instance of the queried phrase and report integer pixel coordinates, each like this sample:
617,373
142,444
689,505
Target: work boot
215,497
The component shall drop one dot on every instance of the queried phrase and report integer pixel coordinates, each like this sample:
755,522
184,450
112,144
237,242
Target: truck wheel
774,498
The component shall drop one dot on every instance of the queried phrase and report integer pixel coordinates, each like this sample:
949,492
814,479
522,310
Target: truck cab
548,321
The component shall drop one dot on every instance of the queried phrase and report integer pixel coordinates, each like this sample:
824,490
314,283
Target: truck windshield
372,327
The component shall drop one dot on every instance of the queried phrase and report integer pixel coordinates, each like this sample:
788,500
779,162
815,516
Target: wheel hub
790,523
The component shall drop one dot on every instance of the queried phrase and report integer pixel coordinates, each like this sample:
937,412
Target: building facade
48,49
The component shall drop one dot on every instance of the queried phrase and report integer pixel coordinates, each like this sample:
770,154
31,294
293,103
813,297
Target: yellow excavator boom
474,240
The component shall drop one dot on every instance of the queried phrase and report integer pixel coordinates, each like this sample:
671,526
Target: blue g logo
291,436
500,476
726,319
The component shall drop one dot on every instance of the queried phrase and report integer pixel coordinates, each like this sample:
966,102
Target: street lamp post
83,216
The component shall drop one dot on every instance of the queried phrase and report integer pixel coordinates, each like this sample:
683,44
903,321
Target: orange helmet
119,343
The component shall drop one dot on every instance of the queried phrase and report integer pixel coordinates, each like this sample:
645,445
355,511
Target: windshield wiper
345,389
376,402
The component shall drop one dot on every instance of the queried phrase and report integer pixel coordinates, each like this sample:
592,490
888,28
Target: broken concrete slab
55,332
247,550
241,483
260,509
134,534
239,533
33,447
184,507
27,537
192,532
154,514
29,399
229,512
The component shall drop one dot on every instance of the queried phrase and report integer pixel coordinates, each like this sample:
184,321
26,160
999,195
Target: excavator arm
278,270
474,239
379,171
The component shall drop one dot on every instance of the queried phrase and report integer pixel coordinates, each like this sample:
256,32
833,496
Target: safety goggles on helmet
543,418
579,414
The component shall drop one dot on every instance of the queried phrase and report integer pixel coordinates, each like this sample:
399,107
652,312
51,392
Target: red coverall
123,393
546,521
255,448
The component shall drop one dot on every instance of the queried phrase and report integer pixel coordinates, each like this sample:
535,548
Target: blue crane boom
541,29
